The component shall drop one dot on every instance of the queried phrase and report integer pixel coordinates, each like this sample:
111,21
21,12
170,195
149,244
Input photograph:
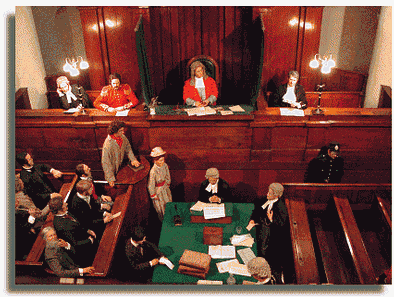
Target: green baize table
175,239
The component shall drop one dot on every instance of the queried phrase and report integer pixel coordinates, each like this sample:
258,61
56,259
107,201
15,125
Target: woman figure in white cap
159,182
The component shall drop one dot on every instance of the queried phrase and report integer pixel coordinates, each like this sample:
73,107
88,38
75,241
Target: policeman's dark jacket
323,168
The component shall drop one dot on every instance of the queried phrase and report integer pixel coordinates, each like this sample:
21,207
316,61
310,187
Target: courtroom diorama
201,146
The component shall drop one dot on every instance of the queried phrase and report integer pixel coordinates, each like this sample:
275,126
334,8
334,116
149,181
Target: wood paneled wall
227,33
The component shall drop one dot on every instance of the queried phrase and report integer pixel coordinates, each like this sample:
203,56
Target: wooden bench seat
360,256
304,254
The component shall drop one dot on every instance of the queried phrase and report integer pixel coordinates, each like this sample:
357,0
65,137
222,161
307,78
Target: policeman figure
327,167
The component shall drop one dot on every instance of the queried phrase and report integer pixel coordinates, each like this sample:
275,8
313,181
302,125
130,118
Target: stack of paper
199,206
226,112
242,240
199,111
221,251
214,211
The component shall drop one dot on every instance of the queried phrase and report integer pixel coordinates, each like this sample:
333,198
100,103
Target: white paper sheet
122,113
226,265
246,255
167,262
237,108
239,269
292,112
214,211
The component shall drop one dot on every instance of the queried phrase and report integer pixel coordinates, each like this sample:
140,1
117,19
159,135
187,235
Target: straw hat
157,152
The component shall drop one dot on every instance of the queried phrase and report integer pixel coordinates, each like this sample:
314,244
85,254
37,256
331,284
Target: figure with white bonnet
260,270
159,182
270,218
214,189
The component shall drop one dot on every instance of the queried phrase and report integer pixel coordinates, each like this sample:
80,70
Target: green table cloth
175,239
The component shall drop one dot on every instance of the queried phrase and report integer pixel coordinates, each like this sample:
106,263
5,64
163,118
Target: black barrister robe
224,192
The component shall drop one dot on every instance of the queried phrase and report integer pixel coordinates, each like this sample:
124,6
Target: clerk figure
291,94
214,189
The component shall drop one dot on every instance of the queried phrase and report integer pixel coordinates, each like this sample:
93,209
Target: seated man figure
68,228
200,89
115,147
143,255
37,186
273,234
327,167
71,96
214,189
291,94
116,96
57,256
84,172
89,212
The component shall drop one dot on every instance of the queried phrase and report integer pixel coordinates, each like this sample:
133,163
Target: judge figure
200,89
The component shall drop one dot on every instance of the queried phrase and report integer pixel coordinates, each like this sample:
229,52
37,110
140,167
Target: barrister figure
159,182
271,220
214,189
327,167
71,96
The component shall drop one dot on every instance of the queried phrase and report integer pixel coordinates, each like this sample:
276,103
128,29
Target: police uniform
324,169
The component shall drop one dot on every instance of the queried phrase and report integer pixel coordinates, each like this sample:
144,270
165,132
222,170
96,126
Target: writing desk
175,239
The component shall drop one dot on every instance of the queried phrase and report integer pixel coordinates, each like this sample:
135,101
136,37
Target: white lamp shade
314,63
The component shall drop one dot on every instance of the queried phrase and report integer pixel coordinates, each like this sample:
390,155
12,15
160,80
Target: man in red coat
116,96
200,89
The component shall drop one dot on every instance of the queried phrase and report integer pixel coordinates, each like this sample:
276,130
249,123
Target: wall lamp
72,66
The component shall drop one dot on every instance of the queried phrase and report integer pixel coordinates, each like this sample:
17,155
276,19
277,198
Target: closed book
196,260
192,271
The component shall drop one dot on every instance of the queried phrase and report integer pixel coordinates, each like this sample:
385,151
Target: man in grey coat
57,256
115,147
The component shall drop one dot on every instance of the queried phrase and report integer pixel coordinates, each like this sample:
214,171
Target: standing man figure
116,96
37,186
291,94
57,256
115,147
327,167
271,220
